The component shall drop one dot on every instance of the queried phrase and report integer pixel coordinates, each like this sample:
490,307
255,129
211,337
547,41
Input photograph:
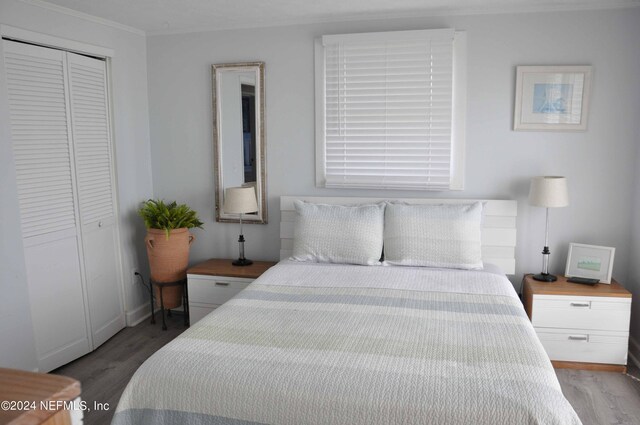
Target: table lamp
548,192
240,200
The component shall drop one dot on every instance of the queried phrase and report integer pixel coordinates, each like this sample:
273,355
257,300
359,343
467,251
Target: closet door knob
99,224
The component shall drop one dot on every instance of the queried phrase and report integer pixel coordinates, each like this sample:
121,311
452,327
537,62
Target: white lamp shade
240,200
549,192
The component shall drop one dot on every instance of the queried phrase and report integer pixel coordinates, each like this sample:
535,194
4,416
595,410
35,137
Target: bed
313,343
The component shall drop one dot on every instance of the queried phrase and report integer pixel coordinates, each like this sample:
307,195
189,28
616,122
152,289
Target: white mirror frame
261,176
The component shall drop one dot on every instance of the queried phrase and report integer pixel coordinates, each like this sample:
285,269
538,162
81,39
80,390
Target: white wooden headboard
498,227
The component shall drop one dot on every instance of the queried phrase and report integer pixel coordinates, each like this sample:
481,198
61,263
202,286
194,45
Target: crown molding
85,16
462,11
7,31
466,11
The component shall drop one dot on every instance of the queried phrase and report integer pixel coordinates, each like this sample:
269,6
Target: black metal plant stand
185,301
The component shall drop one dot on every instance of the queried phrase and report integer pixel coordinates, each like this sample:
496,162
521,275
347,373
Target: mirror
238,134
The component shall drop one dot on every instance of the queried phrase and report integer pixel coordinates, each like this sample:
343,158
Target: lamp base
544,277
242,262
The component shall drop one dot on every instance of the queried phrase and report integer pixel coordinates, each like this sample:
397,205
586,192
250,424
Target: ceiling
171,16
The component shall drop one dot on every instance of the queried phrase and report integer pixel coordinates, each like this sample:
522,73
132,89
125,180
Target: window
390,110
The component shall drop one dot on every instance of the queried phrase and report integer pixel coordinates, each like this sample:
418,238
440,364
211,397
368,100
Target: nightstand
214,282
580,326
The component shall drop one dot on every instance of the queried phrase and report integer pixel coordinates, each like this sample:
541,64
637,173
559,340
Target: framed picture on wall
552,98
595,262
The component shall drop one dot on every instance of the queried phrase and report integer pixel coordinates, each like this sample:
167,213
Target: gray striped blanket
318,344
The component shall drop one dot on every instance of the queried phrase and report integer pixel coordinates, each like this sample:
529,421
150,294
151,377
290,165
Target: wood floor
602,397
598,397
106,371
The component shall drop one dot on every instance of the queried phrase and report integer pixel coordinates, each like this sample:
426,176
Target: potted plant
168,241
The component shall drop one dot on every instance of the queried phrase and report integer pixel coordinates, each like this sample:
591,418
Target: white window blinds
388,106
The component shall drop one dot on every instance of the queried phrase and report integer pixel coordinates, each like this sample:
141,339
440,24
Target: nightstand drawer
589,313
215,289
576,345
197,312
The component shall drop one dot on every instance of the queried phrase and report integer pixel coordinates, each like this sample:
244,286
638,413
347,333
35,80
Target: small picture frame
552,98
591,261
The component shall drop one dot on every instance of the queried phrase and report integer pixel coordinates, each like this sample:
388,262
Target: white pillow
338,234
445,235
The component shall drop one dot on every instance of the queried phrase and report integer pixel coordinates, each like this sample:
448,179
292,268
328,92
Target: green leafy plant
167,216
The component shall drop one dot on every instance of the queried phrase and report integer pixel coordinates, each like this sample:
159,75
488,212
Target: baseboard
634,352
589,366
137,315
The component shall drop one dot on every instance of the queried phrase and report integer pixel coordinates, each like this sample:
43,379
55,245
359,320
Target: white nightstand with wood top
580,326
214,282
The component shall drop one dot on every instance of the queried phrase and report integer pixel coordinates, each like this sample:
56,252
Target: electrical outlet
135,276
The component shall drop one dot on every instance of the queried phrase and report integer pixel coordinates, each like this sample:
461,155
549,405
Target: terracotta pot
168,260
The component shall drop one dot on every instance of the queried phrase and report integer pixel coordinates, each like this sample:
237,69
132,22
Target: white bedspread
358,345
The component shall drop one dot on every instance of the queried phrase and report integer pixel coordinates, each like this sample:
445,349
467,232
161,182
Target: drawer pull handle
222,283
580,304
578,337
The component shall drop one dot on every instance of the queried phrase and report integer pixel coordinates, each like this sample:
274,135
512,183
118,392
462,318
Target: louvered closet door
40,128
96,195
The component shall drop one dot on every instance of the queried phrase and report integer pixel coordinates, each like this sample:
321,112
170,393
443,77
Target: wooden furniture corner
40,389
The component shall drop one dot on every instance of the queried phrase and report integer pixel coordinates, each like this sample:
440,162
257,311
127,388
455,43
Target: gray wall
133,163
599,162
633,279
